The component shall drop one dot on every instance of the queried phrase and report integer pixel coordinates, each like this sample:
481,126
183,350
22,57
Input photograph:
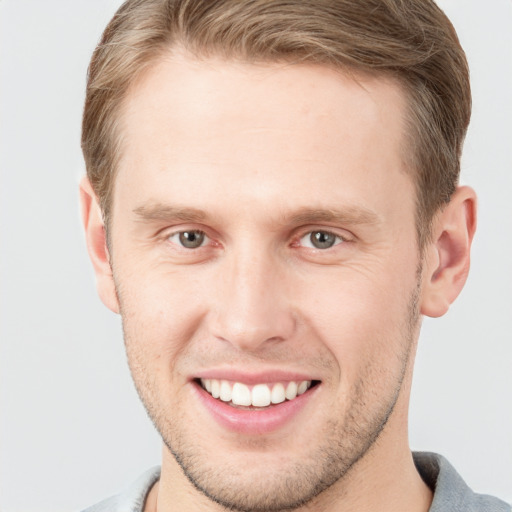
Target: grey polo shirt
451,494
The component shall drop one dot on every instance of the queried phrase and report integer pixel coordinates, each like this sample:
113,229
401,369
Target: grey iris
322,239
191,239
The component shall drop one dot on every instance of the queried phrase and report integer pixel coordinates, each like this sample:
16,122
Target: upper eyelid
172,231
328,231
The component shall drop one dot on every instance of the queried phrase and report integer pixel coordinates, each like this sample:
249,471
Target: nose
252,302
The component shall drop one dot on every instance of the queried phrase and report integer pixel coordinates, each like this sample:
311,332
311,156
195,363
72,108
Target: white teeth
303,386
291,390
277,395
241,394
261,395
225,391
215,388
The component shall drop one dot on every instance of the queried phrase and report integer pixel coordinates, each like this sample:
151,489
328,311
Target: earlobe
95,237
447,257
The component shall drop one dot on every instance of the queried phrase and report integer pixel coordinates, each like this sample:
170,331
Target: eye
320,240
192,239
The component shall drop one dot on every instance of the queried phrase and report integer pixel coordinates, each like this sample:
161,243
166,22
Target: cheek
362,318
161,313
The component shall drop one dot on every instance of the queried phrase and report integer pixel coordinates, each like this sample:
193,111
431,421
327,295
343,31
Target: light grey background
72,429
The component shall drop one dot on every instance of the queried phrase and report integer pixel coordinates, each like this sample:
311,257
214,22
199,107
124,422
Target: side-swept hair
410,40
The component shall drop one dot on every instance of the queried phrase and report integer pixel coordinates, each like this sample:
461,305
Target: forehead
180,87
235,126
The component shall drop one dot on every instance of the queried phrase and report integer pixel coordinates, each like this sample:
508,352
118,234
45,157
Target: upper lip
252,378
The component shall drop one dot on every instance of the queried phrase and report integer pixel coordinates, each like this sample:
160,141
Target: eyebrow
352,215
163,212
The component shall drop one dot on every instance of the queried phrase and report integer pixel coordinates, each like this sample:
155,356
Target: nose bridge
253,306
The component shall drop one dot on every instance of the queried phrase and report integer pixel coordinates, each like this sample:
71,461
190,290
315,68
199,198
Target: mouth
257,403
258,396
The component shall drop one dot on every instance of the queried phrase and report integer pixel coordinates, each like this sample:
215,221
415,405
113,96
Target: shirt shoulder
451,493
132,499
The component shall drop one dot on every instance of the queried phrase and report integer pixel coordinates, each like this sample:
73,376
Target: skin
258,157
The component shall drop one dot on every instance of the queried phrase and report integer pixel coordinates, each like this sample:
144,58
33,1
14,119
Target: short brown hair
410,40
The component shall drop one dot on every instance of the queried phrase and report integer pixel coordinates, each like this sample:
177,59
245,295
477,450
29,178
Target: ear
95,238
446,260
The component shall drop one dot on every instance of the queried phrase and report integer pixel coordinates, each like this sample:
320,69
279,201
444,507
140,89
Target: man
272,206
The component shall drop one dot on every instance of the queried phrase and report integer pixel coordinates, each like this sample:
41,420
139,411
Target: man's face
263,236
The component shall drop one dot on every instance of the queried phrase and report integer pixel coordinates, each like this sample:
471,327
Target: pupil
322,240
191,239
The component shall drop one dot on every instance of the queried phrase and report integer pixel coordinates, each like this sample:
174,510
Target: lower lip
254,421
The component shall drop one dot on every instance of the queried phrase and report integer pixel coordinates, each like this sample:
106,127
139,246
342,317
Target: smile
259,395
255,404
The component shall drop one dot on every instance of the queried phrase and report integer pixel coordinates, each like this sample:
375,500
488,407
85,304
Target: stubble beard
344,442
